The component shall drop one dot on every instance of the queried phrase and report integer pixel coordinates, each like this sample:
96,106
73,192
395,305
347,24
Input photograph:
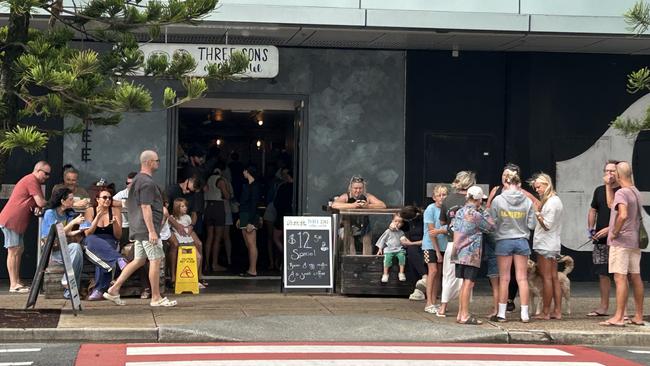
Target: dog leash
585,243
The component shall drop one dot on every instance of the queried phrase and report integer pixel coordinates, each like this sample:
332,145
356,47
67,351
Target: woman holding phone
60,211
103,231
358,197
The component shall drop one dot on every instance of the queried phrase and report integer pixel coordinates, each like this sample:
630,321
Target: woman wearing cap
515,218
469,224
358,197
546,243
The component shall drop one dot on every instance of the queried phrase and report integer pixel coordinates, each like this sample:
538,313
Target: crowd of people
441,248
444,247
100,223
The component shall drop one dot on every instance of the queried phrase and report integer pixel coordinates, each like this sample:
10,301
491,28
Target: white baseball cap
475,192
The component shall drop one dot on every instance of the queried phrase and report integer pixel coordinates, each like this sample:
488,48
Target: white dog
536,283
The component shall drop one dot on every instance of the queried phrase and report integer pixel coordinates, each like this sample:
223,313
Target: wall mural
577,178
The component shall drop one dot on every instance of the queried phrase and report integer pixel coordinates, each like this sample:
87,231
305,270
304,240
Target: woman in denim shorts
515,218
546,243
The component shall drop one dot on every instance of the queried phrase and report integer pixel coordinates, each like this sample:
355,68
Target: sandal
19,290
440,315
471,321
633,322
607,323
431,309
114,298
164,302
145,294
596,313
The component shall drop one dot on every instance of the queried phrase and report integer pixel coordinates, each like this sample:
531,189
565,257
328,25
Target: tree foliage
638,20
43,74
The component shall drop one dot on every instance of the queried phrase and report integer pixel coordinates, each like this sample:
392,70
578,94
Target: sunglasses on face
47,174
105,197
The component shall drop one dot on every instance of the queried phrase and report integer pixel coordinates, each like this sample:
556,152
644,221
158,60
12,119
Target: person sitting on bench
59,210
103,231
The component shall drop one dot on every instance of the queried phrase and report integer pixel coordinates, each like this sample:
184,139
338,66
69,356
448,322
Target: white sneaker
401,277
421,285
384,278
417,295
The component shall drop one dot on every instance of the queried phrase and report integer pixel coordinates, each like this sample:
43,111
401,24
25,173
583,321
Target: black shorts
602,269
215,213
429,256
466,272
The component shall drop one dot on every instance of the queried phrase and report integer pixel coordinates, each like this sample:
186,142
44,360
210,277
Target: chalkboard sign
56,232
308,252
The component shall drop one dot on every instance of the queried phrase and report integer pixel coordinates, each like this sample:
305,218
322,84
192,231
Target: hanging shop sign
264,60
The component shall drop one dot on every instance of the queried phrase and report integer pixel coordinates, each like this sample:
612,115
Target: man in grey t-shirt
145,219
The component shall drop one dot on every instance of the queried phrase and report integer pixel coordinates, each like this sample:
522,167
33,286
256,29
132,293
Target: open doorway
233,134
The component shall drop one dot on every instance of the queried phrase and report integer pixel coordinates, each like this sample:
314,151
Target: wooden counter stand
361,274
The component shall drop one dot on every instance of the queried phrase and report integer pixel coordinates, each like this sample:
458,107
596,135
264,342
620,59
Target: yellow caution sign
187,279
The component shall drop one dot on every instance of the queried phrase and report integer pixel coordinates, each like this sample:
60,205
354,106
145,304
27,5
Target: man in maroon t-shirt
14,218
623,241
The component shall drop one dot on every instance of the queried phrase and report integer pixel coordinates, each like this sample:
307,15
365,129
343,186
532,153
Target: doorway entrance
233,134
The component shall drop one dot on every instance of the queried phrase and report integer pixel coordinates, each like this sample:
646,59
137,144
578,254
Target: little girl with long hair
179,211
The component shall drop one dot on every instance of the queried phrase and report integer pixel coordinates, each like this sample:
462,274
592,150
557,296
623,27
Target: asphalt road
61,354
640,355
51,354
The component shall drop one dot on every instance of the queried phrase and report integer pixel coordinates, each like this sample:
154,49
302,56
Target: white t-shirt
213,193
184,220
122,196
165,231
552,216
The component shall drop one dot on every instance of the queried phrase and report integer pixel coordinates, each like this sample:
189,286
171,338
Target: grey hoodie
514,214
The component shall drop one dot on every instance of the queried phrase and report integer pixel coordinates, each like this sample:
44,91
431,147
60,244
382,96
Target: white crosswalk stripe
194,350
359,363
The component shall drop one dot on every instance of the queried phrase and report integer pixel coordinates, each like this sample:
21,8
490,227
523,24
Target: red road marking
115,354
101,355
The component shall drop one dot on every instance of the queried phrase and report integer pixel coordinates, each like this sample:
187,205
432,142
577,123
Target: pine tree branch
71,24
113,24
638,18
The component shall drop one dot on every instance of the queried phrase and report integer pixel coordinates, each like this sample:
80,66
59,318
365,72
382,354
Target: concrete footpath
314,317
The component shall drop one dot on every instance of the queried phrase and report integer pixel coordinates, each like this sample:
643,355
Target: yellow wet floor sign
187,275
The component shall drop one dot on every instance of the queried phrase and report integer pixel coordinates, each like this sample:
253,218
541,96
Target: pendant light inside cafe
259,118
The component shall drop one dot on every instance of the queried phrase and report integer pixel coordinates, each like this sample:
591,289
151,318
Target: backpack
451,215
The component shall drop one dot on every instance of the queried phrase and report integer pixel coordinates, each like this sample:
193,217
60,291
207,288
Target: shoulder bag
643,234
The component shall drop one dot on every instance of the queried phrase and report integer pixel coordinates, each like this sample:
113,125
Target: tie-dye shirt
469,225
